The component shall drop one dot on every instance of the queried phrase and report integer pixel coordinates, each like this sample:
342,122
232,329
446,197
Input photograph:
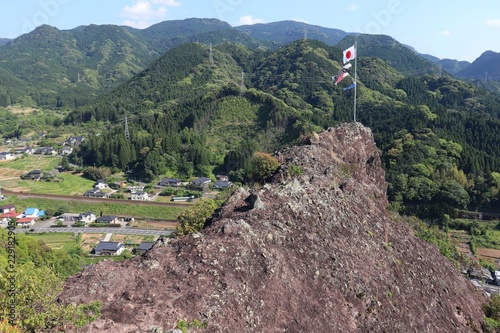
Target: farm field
68,184
89,241
32,162
57,241
485,244
154,225
131,239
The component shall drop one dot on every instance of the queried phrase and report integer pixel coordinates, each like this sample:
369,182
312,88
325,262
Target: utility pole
242,84
211,56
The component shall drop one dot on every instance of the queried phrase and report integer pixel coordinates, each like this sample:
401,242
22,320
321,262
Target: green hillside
70,68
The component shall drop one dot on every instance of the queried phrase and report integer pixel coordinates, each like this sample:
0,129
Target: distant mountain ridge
486,67
69,68
451,66
285,32
4,41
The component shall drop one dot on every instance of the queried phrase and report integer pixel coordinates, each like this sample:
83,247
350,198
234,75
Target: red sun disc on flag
348,55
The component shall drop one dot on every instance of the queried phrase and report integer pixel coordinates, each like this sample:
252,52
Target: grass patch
68,185
489,240
131,239
106,208
34,162
57,241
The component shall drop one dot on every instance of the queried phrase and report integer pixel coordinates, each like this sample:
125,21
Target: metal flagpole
355,76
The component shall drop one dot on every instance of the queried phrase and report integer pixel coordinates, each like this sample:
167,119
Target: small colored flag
353,85
342,73
349,54
340,77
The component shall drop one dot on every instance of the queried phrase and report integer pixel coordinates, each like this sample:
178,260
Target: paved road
88,230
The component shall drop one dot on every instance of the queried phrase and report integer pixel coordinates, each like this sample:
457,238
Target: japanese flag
349,54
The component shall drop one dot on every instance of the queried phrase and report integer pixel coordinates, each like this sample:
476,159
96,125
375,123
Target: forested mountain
284,32
4,41
397,55
486,67
69,68
189,113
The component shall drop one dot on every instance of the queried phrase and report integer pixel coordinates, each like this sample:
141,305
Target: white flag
349,54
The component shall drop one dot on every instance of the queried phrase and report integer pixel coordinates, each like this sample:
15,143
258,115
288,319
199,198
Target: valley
231,148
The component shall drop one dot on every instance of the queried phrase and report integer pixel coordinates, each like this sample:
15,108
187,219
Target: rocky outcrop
313,250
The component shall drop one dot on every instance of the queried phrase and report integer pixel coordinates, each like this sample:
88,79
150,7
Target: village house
144,196
65,150
202,182
87,217
69,217
33,212
95,193
6,217
74,140
222,178
109,248
100,184
220,185
24,150
25,222
7,155
170,182
144,247
7,208
107,219
34,175
135,188
46,151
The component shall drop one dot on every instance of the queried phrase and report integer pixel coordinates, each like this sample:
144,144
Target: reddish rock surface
314,250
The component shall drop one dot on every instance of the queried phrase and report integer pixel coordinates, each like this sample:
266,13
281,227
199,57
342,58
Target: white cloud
300,20
353,7
168,3
445,33
249,20
143,13
142,10
493,23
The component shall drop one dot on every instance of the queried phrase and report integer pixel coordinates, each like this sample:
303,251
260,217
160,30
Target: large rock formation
314,250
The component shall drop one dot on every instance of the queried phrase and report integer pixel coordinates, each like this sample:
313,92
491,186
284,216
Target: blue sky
446,29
